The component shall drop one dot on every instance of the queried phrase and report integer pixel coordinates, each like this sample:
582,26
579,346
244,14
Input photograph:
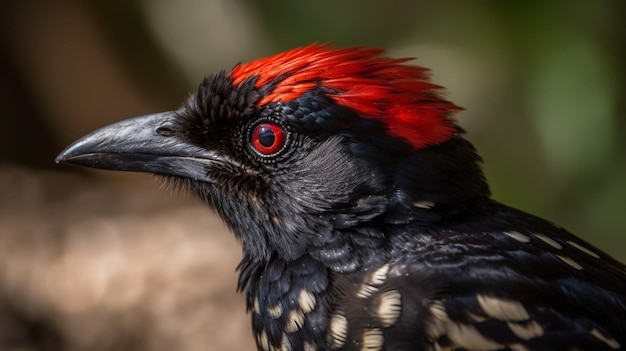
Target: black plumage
357,236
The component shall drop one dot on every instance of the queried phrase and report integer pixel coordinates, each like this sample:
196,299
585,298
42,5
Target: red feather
399,95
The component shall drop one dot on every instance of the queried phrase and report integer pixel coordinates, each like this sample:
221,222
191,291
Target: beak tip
60,157
66,155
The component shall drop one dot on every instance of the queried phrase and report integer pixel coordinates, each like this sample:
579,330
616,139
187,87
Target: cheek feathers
331,176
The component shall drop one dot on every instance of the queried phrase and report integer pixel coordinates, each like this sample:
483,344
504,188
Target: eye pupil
268,138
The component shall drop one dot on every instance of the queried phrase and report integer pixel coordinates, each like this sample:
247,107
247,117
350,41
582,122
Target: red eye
268,138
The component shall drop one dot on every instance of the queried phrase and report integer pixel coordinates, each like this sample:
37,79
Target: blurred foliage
543,82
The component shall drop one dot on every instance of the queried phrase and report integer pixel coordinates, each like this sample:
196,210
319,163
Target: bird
364,216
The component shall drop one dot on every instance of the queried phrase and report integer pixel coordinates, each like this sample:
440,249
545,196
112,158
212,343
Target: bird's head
295,148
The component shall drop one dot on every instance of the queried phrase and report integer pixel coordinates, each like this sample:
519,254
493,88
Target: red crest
399,95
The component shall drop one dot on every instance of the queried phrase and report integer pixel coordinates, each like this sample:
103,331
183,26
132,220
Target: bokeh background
104,261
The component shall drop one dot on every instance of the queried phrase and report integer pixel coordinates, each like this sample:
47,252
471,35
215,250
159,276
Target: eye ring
268,138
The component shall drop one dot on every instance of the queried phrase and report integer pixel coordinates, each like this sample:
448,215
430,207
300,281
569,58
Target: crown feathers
400,96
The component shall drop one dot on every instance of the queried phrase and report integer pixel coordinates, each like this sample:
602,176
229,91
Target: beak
143,144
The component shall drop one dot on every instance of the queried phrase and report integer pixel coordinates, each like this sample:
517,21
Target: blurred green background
543,82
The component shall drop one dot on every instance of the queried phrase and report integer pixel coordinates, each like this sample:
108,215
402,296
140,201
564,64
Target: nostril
165,131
